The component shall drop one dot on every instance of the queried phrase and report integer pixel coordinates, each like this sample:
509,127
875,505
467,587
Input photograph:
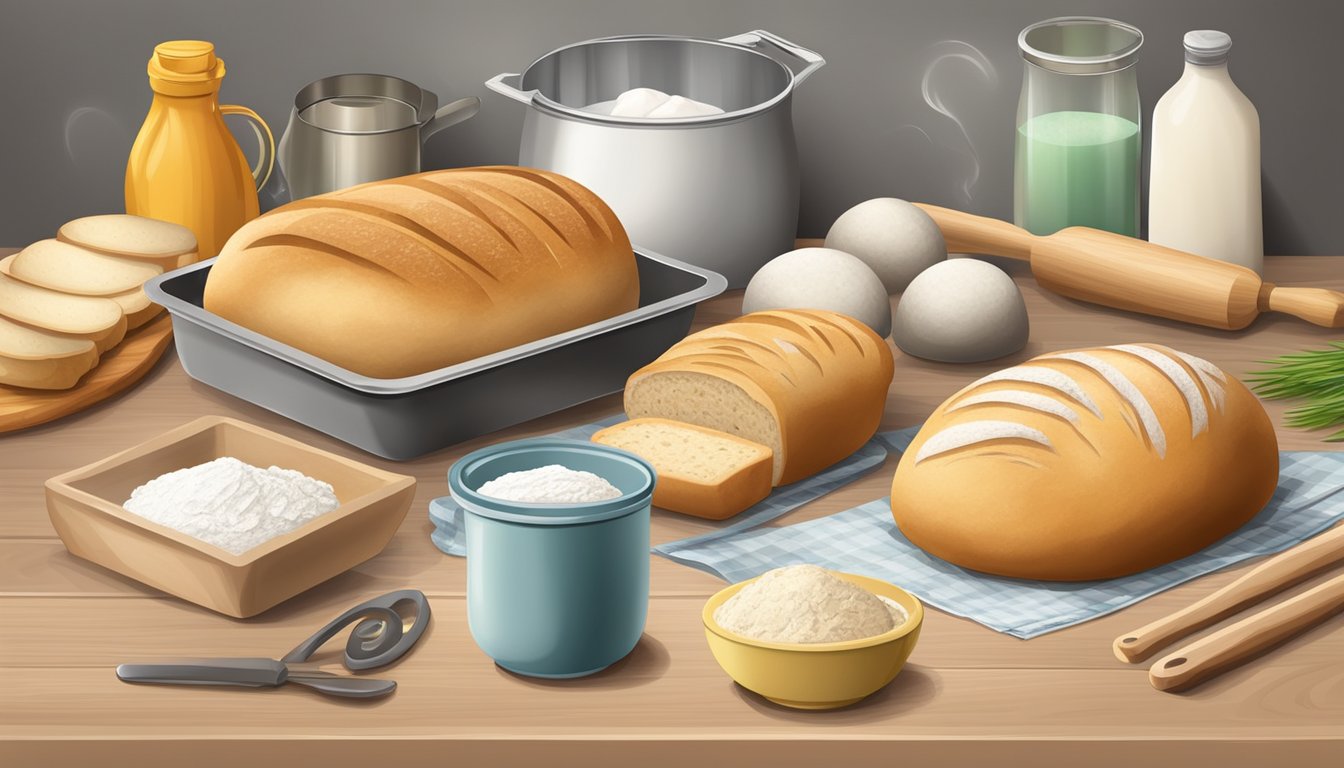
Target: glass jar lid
1081,45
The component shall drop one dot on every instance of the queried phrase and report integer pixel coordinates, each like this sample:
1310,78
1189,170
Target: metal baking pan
404,418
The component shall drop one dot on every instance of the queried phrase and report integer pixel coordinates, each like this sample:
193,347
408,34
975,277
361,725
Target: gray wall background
72,76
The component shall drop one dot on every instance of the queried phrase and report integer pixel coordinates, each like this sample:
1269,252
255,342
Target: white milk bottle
1204,186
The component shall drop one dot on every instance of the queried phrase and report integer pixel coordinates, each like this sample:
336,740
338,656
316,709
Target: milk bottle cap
1207,47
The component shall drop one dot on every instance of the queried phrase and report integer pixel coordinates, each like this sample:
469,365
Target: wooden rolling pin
1274,575
1125,273
1234,644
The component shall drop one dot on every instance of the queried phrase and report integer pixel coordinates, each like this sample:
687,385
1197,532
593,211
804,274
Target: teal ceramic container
556,590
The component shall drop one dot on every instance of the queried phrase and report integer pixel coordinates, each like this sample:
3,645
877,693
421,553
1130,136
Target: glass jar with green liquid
1079,141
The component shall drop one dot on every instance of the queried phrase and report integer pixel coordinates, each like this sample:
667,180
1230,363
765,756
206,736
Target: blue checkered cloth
865,540
449,534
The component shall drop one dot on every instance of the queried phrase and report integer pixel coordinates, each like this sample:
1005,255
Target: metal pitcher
350,129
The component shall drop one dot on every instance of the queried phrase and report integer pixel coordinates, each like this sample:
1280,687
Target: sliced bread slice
137,306
122,234
72,269
94,318
40,360
134,303
701,472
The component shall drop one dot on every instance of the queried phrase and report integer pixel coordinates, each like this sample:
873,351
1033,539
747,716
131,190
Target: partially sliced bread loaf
809,384
138,237
88,317
41,360
72,269
701,472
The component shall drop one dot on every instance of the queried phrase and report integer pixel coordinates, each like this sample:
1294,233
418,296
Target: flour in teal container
1077,169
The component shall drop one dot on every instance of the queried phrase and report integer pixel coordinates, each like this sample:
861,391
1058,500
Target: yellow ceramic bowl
816,675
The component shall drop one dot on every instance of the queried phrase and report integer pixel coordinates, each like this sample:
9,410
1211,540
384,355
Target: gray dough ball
961,311
892,236
821,278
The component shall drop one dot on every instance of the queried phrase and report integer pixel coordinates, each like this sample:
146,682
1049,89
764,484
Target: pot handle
500,84
754,38
451,114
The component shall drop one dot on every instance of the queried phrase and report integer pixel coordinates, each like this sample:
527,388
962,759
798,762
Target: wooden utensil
1274,575
1230,646
121,367
1125,273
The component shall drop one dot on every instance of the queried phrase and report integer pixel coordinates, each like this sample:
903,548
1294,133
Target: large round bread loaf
809,384
1087,464
399,277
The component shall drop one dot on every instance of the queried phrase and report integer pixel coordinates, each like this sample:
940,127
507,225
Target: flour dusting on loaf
1042,403
1152,428
977,432
1087,464
1046,377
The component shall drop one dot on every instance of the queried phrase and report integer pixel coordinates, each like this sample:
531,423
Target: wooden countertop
968,695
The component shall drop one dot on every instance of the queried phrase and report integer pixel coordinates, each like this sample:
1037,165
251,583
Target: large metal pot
717,191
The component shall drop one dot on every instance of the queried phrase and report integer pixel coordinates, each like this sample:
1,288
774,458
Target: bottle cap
1207,47
185,68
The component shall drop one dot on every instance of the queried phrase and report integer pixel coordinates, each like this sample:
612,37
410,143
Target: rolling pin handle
1320,306
968,233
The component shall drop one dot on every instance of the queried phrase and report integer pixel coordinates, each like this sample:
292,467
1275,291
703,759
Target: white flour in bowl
230,504
553,483
807,604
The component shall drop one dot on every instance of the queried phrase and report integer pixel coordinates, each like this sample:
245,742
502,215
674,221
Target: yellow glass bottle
185,166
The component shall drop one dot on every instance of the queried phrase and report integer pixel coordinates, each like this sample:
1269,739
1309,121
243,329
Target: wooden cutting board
121,367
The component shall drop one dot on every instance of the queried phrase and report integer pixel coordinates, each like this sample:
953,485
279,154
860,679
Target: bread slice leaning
82,317
72,269
811,385
701,472
135,303
40,360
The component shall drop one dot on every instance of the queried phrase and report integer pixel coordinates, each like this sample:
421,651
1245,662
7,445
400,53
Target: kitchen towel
449,534
865,540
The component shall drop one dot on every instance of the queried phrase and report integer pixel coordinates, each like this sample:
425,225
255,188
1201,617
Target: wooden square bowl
85,508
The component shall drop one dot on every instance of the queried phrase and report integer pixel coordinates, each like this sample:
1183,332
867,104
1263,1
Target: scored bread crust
822,377
399,277
1087,464
732,491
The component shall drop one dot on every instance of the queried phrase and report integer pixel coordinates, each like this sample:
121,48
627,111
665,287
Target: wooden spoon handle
968,233
1278,573
1321,306
1230,646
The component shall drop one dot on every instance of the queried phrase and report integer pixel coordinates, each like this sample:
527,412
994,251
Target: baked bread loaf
810,385
399,277
1087,464
701,472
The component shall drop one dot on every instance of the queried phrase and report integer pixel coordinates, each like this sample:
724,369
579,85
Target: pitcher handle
451,114
811,58
265,146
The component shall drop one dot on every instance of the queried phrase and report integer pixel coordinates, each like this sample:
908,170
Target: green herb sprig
1317,376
